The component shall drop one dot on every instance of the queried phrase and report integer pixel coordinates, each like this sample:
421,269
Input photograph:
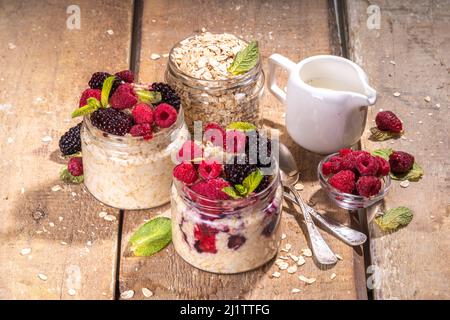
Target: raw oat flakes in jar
218,77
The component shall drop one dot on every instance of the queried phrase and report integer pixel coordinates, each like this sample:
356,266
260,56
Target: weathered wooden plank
413,262
296,29
45,66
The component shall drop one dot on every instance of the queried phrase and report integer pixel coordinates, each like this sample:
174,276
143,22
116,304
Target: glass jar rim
235,204
125,140
236,79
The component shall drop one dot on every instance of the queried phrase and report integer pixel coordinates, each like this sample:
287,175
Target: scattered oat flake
283,265
22,190
333,275
155,56
47,139
284,250
420,122
283,257
42,276
397,94
339,257
165,55
110,32
288,246
430,114
404,184
283,236
10,140
292,269
147,292
307,280
427,98
89,243
299,187
203,29
295,290
72,292
392,62
11,46
60,219
276,274
127,294
51,224
103,214
437,105
293,257
301,261
56,188
63,243
110,218
25,251
307,252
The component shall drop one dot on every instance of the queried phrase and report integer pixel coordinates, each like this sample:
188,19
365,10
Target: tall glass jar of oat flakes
197,70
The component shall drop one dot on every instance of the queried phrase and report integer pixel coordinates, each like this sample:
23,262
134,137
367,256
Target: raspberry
168,95
215,133
383,166
75,166
344,152
238,169
401,162
165,115
335,164
70,142
189,151
209,169
142,113
235,141
89,93
327,168
258,148
348,162
388,121
236,241
124,97
126,76
368,186
344,181
185,172
142,130
366,164
112,121
212,189
205,238
98,78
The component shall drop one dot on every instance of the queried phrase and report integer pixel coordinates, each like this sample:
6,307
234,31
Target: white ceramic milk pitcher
326,101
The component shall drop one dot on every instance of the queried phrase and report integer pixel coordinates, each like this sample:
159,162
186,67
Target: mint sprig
148,96
106,89
92,105
241,126
232,192
67,177
392,219
383,153
250,183
245,59
151,237
380,135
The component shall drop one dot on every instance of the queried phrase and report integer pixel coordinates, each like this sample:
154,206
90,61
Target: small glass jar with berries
226,201
128,136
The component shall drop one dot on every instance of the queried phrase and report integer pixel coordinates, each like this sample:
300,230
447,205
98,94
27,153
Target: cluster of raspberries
356,172
144,118
208,177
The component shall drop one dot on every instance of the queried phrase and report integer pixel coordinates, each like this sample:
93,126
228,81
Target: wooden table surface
45,66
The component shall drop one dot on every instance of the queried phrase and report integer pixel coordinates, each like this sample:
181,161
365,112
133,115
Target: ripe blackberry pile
146,116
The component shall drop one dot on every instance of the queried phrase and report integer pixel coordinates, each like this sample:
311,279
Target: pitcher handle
276,60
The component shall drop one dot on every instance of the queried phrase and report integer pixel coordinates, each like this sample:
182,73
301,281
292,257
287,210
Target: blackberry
112,121
70,142
98,78
263,184
237,170
254,145
168,94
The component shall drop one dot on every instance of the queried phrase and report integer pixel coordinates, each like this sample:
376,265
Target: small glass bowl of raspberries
354,179
226,200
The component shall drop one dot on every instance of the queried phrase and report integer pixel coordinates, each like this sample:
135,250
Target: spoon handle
320,248
348,235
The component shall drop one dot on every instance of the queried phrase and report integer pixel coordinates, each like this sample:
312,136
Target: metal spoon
289,177
348,235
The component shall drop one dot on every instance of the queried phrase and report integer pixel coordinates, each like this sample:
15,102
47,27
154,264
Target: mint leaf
92,106
232,192
241,189
384,153
147,96
394,218
379,135
151,237
415,174
106,89
73,155
241,126
245,59
67,177
252,181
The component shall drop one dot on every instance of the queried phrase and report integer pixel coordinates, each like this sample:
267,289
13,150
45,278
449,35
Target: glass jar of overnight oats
129,172
226,236
197,70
